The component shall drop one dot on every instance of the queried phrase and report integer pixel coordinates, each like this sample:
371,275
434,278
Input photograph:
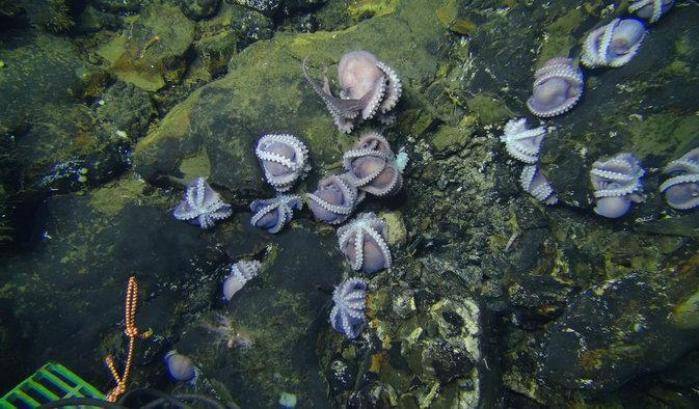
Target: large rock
66,295
265,92
274,323
623,328
55,140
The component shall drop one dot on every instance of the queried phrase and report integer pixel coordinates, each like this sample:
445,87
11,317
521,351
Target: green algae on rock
226,117
152,50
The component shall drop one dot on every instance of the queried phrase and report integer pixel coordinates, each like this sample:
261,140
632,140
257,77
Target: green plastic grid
51,382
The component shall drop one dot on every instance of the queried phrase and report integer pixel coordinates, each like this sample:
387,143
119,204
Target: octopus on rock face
180,367
617,184
682,188
202,205
534,182
273,214
241,272
614,44
347,315
372,166
369,87
558,86
284,159
651,10
521,142
334,200
363,242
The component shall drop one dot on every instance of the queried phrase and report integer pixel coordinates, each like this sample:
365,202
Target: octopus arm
339,108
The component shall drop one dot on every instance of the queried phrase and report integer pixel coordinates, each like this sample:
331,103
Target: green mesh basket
50,383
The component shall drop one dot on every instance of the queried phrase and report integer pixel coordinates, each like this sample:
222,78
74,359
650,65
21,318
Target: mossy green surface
150,51
264,92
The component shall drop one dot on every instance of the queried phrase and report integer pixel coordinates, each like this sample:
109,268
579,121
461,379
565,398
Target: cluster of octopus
558,86
370,89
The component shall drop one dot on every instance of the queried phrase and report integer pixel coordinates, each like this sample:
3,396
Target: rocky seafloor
494,299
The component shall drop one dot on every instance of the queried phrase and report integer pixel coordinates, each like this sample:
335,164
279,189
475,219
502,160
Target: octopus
535,183
521,142
363,242
373,167
682,188
558,86
334,200
201,205
617,184
651,10
180,367
614,44
240,273
347,315
284,159
273,214
369,88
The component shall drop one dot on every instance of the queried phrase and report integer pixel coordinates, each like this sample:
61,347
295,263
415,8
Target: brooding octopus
682,188
372,166
558,86
363,242
369,88
334,200
617,184
614,44
284,159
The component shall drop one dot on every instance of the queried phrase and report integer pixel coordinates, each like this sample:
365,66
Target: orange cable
131,331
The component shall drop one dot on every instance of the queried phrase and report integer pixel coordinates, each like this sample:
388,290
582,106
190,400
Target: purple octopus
284,159
202,205
614,44
682,188
372,166
241,272
521,142
651,10
535,183
558,86
363,242
369,87
347,315
617,184
180,367
273,214
334,200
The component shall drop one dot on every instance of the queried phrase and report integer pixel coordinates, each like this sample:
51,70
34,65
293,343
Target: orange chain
131,331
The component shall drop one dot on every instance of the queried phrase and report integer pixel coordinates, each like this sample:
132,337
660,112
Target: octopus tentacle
394,90
373,98
340,109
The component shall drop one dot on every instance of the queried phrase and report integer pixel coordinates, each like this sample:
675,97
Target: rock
152,50
66,150
281,312
225,118
93,20
118,6
619,330
270,7
25,62
70,283
9,10
200,9
54,15
362,10
126,108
